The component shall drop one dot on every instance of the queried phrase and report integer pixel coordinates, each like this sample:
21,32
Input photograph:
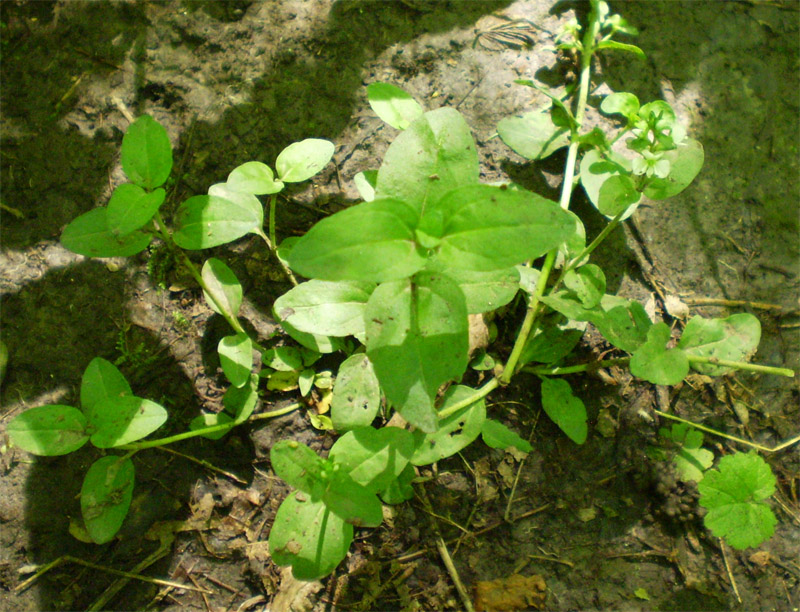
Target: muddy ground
236,81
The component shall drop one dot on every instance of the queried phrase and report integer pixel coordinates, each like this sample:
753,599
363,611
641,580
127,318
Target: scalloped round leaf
564,409
236,358
131,208
393,105
657,364
49,430
106,497
206,221
253,177
90,235
146,154
122,420
309,537
223,287
327,308
685,164
102,380
735,338
356,394
302,160
534,135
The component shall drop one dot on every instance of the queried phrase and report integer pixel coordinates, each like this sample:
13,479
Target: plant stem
273,204
610,227
742,365
479,394
583,367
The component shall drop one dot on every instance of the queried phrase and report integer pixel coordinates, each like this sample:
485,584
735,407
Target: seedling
392,283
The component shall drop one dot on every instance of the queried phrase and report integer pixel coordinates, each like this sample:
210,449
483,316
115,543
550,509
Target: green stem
273,204
583,367
479,394
578,259
742,365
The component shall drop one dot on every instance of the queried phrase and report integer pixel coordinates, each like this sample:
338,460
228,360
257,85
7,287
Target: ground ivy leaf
122,420
533,135
309,537
564,409
106,496
374,458
206,221
356,395
49,430
691,460
223,285
302,160
146,154
102,380
733,496
373,241
90,235
393,105
454,432
327,308
496,435
735,338
417,339
657,364
131,207
253,177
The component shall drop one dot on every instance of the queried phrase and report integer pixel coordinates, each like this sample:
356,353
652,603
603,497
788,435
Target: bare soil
236,81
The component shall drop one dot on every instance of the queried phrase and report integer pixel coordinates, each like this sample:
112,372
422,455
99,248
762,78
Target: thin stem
584,367
269,244
576,261
479,394
273,204
742,365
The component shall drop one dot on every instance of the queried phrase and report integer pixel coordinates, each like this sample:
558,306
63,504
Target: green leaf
561,115
657,364
534,135
236,358
496,435
617,194
352,502
365,184
490,228
393,105
373,241
309,537
122,420
49,430
691,460
400,489
454,432
434,155
486,291
283,358
300,467
733,496
101,381
373,457
553,339
685,164
106,496
210,420
734,338
356,395
564,409
223,286
314,342
327,308
255,178
621,103
146,153
417,339
240,402
206,221
613,44
131,208
302,160
587,282
596,171
90,235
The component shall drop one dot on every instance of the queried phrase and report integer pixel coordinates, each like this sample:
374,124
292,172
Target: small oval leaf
236,358
302,160
146,153
121,420
106,497
49,430
90,235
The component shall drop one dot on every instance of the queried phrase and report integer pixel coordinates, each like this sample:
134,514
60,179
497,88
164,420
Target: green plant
402,273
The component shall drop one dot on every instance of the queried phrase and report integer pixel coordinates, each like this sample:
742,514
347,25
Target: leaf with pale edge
302,160
327,308
224,289
393,105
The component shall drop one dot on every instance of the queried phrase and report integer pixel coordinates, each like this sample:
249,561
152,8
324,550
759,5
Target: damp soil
590,527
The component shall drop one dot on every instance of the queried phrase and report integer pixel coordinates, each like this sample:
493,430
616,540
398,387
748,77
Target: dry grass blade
512,33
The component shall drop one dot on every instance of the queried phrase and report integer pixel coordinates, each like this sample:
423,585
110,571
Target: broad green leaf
206,221
691,460
223,287
434,155
102,380
365,184
596,170
453,432
564,409
490,228
283,358
146,153
373,241
49,430
621,103
240,402
733,496
131,207
613,44
356,395
327,308
236,358
486,291
393,105
400,489
496,435
685,164
534,135
618,194
657,364
309,537
373,457
588,283
734,338
314,342
210,420
417,339
301,467
352,502
106,496
253,177
121,420
552,340
90,235
302,160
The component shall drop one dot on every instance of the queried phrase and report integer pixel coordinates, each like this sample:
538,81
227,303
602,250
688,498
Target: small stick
728,569
732,303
